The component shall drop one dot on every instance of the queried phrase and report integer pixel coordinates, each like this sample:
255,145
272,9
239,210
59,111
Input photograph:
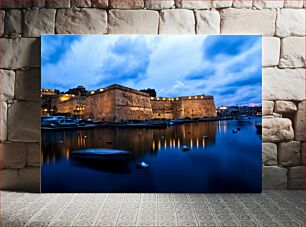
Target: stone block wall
281,22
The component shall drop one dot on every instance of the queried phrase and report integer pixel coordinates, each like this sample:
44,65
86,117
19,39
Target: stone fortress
117,103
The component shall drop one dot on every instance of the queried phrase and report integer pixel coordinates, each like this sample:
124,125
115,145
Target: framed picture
147,113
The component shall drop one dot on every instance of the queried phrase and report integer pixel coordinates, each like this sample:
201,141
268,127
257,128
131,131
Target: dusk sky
227,67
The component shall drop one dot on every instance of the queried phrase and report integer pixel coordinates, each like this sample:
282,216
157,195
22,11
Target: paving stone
81,21
126,4
293,52
13,155
159,4
7,85
20,53
299,122
289,153
293,3
33,156
261,4
99,3
290,22
285,107
191,4
38,22
277,129
27,85
274,177
24,122
2,15
13,21
3,121
283,84
242,21
242,4
221,3
267,107
270,51
208,22
80,3
55,4
133,22
296,176
269,154
178,21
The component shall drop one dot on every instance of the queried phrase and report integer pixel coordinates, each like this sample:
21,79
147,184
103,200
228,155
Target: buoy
234,131
142,164
186,148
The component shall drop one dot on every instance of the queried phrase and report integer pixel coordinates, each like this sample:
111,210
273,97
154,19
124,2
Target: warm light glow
195,97
152,98
153,145
164,98
169,99
66,95
101,89
73,95
178,143
157,98
202,97
177,98
92,92
197,142
189,97
191,143
159,144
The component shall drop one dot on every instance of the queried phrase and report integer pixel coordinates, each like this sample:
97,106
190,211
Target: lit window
189,97
195,97
101,89
92,92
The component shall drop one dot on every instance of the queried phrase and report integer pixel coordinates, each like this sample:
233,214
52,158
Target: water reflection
213,162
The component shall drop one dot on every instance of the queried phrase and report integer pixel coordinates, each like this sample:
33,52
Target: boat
100,154
67,123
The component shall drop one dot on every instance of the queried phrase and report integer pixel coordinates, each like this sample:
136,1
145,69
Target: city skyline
226,67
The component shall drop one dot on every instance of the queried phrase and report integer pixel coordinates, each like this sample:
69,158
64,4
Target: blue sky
227,67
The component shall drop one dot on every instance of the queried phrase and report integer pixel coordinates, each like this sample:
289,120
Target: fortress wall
101,106
163,109
69,106
196,108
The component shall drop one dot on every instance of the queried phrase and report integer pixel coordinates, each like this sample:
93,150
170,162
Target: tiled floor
271,208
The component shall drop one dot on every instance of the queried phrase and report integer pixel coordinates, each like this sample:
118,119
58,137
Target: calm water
223,162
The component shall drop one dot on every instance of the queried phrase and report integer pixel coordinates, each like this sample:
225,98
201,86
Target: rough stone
99,3
296,177
221,3
285,107
269,154
27,85
55,4
208,22
15,4
303,160
38,3
13,155
267,107
7,84
293,4
80,3
159,4
242,4
13,21
24,122
191,4
270,51
261,4
26,179
3,121
20,53
283,84
2,14
293,52
299,122
81,21
38,22
241,21
33,158
277,129
289,153
290,22
133,22
126,4
274,177
178,21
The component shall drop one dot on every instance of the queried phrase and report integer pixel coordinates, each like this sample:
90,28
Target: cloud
228,67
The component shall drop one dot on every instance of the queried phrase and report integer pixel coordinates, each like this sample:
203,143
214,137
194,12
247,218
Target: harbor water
219,156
